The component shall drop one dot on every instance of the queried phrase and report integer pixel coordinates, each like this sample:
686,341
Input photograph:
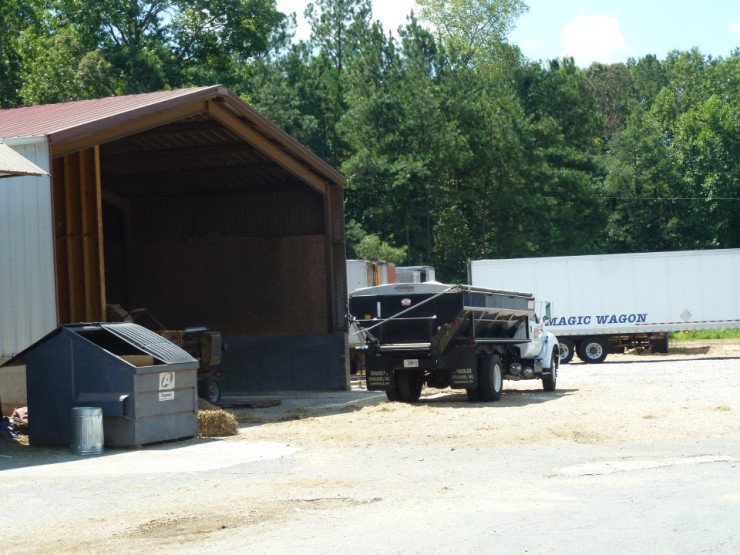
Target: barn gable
191,204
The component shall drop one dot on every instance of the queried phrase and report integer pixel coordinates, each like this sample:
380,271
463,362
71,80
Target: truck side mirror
548,312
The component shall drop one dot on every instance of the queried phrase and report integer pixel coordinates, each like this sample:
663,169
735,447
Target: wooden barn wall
250,264
78,237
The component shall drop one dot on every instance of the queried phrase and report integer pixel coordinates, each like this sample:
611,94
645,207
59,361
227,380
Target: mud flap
462,363
378,373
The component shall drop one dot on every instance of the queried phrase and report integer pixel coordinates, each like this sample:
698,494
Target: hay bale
216,423
205,405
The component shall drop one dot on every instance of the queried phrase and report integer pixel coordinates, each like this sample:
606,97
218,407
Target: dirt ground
629,398
326,470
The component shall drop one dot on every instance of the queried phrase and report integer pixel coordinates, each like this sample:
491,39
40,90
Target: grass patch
705,334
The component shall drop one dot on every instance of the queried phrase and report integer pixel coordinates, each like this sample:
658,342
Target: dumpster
145,385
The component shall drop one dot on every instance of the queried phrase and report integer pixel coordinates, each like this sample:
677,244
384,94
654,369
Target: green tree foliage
130,46
474,31
454,146
16,17
57,69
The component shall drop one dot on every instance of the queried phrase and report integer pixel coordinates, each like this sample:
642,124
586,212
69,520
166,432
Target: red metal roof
48,119
69,121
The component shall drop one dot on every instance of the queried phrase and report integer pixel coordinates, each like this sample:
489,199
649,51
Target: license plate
411,363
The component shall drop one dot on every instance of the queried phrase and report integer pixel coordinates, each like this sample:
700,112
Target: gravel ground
639,454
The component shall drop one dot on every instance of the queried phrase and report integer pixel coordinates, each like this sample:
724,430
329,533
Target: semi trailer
454,336
609,303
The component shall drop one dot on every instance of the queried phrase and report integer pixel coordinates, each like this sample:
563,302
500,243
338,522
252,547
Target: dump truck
455,336
612,303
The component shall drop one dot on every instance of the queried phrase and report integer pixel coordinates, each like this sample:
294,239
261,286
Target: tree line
454,144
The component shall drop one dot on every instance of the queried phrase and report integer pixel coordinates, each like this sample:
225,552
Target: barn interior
205,222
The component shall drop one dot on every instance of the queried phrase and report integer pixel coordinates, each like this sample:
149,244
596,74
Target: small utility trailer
455,336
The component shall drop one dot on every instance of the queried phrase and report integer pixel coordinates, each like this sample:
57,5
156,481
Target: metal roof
12,164
52,119
71,126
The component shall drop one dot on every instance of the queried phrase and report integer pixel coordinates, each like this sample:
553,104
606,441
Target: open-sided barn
188,203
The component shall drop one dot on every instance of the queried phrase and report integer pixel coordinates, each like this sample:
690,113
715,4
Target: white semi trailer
607,303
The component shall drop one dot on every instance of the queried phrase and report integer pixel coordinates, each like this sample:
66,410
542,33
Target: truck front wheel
490,378
550,381
593,350
566,350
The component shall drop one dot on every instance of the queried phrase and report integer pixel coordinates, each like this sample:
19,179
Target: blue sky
607,31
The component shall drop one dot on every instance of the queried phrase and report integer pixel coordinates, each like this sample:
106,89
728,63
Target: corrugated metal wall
27,291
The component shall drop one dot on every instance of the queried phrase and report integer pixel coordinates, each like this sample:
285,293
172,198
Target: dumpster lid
148,341
140,337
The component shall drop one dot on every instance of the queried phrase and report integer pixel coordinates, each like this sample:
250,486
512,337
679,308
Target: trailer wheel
490,378
473,395
408,385
210,390
550,381
567,349
593,350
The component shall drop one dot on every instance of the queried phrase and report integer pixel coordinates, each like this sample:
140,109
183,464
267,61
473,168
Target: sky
606,31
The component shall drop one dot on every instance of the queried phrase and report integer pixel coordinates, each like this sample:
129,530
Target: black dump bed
423,315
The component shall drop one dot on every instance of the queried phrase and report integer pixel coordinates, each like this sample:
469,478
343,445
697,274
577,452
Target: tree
564,157
474,31
58,69
640,188
707,149
15,17
159,43
611,87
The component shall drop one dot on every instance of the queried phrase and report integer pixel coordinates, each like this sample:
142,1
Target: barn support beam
78,229
238,127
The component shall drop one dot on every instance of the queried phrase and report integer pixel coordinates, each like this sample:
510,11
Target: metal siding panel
27,290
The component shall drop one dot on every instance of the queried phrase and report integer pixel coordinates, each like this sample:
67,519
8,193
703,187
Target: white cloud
735,27
594,38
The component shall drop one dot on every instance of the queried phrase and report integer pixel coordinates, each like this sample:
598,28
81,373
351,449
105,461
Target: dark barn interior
213,218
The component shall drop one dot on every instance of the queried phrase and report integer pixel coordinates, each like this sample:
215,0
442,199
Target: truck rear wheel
408,385
490,378
567,349
593,350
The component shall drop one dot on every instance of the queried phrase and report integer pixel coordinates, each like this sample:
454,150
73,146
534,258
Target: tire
550,381
210,390
567,350
408,385
473,395
593,350
490,378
